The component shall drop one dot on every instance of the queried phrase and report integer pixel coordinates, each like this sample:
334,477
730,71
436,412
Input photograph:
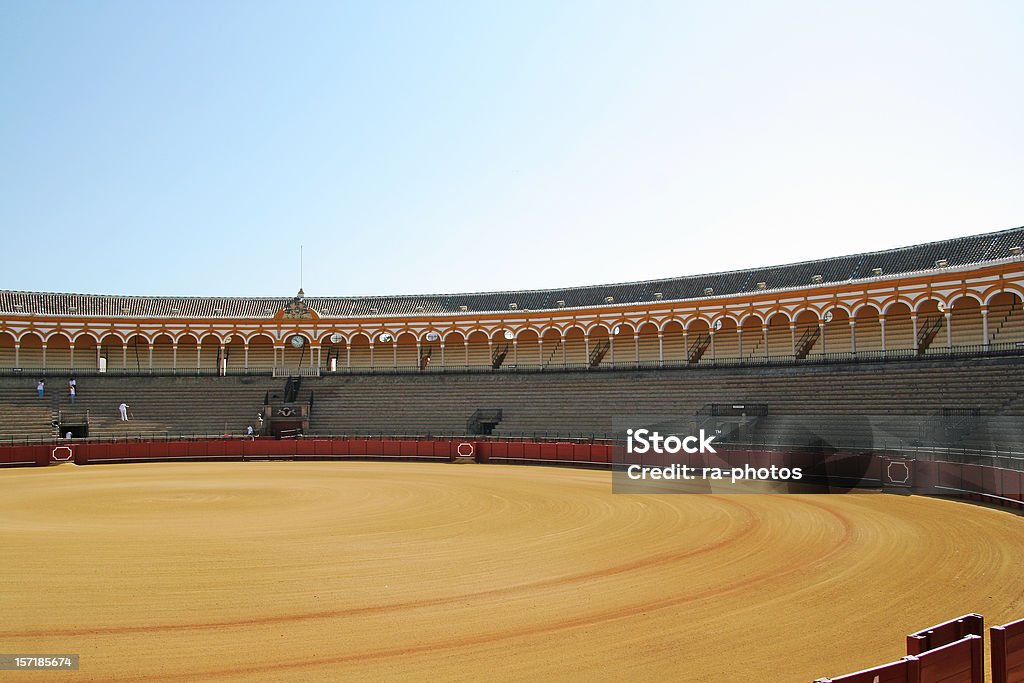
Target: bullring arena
427,492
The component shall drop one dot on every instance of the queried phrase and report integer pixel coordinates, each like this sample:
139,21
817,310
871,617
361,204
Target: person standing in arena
123,409
40,387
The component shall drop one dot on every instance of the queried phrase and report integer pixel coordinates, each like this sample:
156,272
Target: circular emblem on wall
298,341
336,338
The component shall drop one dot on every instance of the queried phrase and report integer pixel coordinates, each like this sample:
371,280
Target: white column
73,355
636,347
174,355
853,336
562,341
764,329
540,352
913,323
792,338
711,333
515,352
442,354
465,343
739,340
661,348
246,355
371,355
821,332
348,355
150,356
124,355
17,355
984,326
881,325
949,329
419,355
44,355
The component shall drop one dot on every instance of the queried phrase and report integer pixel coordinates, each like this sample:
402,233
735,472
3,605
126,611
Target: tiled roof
974,249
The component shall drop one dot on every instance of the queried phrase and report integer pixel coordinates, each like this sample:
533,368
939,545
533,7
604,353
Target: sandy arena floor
384,571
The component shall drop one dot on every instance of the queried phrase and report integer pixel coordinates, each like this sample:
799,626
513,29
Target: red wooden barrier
897,672
222,448
1012,484
547,451
997,485
957,662
949,475
945,633
516,449
926,474
601,453
974,479
1008,652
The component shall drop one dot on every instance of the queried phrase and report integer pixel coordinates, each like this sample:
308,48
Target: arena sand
385,571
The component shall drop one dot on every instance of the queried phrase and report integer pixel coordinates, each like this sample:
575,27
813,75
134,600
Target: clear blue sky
188,148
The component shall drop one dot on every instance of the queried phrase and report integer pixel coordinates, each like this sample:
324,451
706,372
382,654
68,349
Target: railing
950,353
425,355
926,334
36,372
498,357
194,436
697,348
806,343
598,352
281,372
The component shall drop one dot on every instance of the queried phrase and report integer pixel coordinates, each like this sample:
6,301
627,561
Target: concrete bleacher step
566,403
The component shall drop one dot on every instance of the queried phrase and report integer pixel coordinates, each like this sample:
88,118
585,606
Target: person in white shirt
123,409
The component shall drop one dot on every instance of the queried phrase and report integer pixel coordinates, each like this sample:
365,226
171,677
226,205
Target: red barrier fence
897,672
989,484
1008,652
562,453
945,633
961,661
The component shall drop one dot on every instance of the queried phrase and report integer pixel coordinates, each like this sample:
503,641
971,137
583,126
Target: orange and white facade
975,306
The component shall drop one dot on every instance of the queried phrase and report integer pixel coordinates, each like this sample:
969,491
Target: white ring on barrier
467,445
906,472
53,453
